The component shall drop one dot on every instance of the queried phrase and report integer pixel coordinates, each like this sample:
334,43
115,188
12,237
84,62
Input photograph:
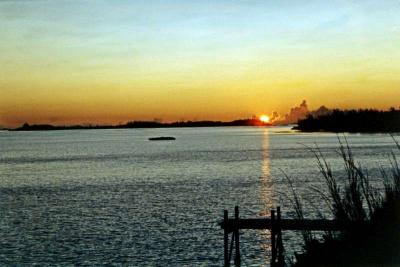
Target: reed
352,200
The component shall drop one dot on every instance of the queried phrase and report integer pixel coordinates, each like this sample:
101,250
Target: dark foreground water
100,197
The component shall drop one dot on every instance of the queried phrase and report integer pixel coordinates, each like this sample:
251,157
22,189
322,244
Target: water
100,197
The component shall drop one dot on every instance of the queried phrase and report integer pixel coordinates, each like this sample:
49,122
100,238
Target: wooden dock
276,225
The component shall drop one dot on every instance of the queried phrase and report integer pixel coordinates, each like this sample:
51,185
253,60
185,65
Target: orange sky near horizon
111,62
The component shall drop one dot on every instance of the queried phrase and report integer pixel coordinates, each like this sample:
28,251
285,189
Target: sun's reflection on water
266,190
266,195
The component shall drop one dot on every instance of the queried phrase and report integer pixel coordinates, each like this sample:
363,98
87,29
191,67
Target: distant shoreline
141,125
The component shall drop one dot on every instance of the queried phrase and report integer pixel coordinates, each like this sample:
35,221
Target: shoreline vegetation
142,124
353,198
352,121
336,121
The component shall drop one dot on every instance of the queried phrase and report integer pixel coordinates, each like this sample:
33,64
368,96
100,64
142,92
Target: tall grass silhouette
353,200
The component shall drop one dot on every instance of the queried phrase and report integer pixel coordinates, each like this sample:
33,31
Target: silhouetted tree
362,120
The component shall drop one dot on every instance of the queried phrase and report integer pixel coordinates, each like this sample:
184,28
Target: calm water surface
100,197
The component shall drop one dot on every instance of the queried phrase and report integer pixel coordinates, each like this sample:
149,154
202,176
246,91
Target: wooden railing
276,224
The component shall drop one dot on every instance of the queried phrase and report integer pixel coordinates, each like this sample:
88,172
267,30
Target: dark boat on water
162,138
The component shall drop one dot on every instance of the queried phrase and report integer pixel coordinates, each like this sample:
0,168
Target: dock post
237,249
273,242
226,240
279,238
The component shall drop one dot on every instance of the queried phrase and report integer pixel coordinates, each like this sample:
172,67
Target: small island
352,121
162,138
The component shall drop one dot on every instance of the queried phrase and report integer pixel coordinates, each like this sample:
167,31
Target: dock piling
237,249
281,260
226,240
273,241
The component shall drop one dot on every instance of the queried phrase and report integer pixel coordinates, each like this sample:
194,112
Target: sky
98,61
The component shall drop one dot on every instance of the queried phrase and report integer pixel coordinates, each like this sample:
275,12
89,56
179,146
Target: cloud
297,113
321,111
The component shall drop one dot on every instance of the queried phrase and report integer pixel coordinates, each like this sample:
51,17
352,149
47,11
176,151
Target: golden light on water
266,193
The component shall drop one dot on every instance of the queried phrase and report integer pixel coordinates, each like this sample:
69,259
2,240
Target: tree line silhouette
361,120
143,124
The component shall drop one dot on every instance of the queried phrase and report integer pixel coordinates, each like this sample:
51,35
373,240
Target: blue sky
265,55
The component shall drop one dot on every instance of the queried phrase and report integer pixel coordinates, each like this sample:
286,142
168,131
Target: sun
264,118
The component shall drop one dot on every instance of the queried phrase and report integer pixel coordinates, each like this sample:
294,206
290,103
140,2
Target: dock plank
289,224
